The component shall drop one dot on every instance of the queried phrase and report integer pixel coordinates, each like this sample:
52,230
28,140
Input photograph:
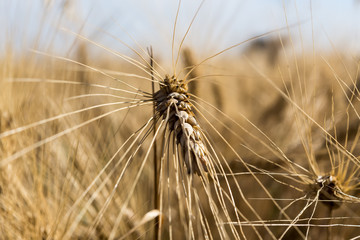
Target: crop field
178,120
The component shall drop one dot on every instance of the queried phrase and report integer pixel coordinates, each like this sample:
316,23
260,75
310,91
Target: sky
50,24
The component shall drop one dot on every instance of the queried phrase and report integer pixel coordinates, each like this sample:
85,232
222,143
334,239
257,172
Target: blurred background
43,24
305,66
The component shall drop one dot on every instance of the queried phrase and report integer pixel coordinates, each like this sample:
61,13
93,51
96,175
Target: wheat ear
172,103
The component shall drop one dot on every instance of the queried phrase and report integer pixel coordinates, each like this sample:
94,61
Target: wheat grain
172,103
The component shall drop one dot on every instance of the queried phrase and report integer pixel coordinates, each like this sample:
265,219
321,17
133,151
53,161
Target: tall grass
130,144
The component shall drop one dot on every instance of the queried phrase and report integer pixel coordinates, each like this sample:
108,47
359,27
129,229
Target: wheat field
187,130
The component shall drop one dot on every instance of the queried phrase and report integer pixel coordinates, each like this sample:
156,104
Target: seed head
172,103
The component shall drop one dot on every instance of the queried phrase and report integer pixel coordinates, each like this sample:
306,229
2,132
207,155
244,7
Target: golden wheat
91,150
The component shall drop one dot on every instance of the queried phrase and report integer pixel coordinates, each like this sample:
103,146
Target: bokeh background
26,24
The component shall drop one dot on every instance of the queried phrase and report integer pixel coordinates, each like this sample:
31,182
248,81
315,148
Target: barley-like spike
329,188
173,99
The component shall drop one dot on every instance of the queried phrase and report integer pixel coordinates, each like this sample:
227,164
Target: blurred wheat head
117,146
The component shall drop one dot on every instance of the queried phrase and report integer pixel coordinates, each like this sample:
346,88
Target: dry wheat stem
27,149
